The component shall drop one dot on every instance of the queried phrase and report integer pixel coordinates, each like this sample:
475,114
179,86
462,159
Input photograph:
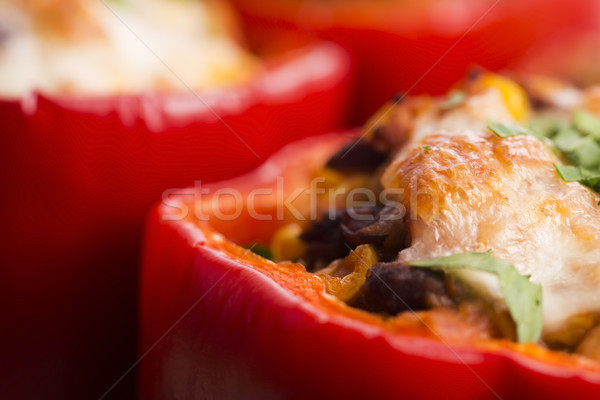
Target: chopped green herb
579,143
455,99
555,151
507,130
261,250
427,147
567,138
587,123
571,173
585,153
523,297
545,127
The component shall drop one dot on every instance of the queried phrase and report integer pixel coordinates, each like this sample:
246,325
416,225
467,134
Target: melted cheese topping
115,47
470,190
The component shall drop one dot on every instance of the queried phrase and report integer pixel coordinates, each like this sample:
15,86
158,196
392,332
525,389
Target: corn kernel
286,244
343,278
514,95
332,177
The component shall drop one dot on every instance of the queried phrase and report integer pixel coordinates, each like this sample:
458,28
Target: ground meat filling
324,243
392,288
336,234
358,157
331,238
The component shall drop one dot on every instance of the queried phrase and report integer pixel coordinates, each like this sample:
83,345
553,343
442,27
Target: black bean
392,288
331,238
360,156
324,243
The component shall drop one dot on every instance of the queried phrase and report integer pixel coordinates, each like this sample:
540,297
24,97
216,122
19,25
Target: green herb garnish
566,138
571,173
427,147
584,153
523,297
587,123
544,126
507,130
261,250
578,142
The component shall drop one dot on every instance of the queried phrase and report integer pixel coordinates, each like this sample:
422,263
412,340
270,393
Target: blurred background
104,104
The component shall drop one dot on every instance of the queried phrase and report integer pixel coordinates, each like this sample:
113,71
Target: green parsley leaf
507,130
545,126
571,173
579,144
427,147
585,153
587,123
523,297
567,138
261,250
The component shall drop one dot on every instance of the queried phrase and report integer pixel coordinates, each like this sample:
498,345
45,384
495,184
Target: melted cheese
470,190
116,47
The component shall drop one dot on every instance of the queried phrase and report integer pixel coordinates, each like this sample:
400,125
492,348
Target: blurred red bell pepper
78,177
421,46
574,59
218,321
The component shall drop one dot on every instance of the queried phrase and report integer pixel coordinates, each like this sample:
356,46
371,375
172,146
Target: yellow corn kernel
573,331
514,95
286,244
343,278
590,345
332,177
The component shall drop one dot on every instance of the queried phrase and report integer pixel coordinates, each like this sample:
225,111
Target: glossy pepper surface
78,177
218,321
418,46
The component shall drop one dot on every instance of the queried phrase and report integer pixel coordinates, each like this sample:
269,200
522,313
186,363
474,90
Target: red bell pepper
421,46
78,177
218,321
574,59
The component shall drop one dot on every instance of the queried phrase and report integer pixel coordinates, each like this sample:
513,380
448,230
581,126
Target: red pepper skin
421,47
78,177
214,325
571,58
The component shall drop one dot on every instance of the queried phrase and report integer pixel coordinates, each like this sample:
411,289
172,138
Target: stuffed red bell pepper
451,250
418,46
109,127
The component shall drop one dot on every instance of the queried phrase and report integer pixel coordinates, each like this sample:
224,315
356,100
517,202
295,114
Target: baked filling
485,215
84,47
